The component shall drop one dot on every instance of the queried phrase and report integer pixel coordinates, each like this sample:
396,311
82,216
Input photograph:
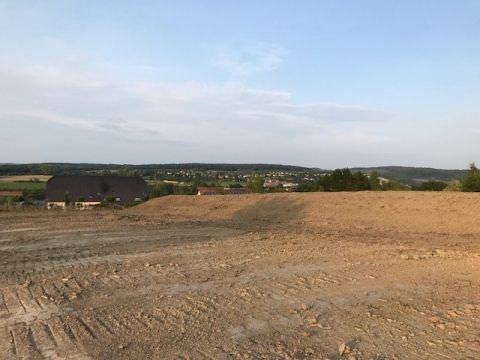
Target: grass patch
21,186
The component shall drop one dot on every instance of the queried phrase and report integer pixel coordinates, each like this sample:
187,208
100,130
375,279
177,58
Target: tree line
338,180
347,180
142,170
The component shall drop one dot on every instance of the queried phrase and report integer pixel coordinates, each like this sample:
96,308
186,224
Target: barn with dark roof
91,190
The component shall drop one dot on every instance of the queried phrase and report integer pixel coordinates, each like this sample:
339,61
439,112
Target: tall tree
255,183
472,180
374,181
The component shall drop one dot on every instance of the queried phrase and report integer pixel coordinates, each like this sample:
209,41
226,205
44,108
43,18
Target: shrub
394,185
430,185
110,199
33,194
454,186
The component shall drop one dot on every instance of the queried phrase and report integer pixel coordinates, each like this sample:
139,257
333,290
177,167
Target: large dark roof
96,188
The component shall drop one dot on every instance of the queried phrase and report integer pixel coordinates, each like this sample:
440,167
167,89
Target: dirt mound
389,211
415,212
178,207
272,207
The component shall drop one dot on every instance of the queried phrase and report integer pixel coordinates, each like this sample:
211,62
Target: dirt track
337,276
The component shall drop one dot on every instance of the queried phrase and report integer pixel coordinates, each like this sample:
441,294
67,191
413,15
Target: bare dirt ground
290,276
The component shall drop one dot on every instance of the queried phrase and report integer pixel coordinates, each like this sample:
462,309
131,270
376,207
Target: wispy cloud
226,117
251,60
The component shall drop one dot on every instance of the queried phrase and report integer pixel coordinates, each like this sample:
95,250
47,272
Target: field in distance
367,275
20,178
23,182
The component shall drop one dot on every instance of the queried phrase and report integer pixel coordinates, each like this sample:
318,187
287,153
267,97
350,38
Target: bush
430,185
454,186
33,195
7,201
394,185
110,199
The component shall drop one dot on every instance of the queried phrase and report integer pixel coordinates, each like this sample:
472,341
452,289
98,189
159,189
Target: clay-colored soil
392,275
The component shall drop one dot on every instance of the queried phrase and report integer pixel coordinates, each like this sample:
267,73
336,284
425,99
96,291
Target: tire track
33,328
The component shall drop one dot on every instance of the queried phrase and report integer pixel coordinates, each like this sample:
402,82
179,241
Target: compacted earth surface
371,275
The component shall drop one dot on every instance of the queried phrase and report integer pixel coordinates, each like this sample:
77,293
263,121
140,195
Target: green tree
182,189
48,169
374,181
360,182
160,189
31,195
307,186
339,180
255,183
472,180
344,180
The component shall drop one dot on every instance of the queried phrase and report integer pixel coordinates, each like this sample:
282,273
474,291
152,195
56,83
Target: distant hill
83,168
407,175
411,175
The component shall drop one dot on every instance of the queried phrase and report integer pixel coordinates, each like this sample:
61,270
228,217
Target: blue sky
316,83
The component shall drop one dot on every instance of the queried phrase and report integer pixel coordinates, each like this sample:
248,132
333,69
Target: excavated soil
387,275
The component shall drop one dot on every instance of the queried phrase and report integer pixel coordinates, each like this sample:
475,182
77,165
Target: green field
20,186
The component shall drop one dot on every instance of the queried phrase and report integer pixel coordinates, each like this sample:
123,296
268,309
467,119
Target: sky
315,83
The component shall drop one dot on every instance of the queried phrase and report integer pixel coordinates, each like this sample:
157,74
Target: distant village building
290,186
272,184
275,184
383,180
88,191
217,190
